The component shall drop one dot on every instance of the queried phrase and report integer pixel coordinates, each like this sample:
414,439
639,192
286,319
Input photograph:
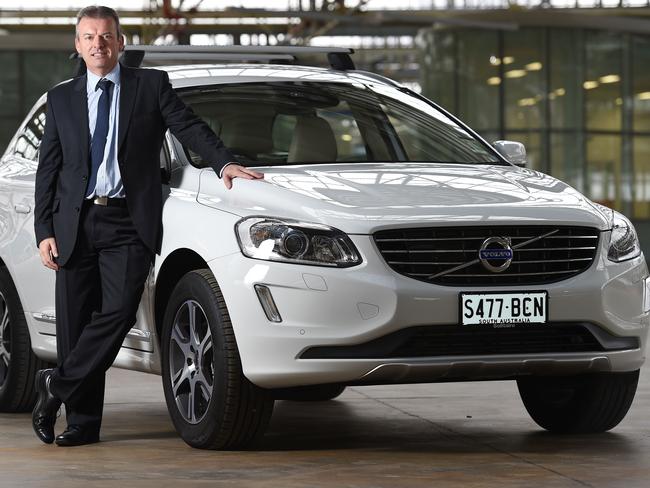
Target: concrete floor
448,435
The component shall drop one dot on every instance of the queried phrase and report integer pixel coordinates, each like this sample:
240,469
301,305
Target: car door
34,282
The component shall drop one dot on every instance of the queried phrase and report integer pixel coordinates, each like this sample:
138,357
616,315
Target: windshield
281,123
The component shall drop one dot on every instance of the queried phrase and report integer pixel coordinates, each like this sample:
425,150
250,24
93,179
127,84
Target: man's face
98,43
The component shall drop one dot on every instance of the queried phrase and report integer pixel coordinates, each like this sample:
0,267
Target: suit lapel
128,90
79,104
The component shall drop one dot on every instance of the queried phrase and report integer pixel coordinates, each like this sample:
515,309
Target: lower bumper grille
455,340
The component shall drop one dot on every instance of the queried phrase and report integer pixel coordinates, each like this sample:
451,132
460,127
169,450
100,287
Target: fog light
268,305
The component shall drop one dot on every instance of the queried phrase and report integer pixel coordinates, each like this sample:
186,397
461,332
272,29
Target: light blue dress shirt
109,179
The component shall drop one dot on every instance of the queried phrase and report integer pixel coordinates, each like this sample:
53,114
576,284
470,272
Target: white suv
388,243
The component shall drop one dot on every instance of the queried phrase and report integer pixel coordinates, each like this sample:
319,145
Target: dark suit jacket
148,106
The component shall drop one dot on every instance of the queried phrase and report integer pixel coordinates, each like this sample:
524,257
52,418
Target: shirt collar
93,79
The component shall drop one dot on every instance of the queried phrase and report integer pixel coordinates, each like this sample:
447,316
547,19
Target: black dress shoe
76,435
46,408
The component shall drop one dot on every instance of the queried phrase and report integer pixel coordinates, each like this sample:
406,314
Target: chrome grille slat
415,251
590,248
425,262
514,262
420,251
503,274
449,255
553,261
483,237
572,237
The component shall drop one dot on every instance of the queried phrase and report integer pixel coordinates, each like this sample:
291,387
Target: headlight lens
295,242
624,243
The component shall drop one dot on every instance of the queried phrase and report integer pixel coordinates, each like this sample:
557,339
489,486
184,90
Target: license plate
504,309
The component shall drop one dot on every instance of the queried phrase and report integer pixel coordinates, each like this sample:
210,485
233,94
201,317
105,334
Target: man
98,213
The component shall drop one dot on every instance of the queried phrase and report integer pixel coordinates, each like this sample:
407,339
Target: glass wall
565,99
579,99
10,106
478,82
640,101
24,77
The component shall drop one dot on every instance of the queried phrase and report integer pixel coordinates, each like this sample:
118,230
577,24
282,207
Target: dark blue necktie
98,141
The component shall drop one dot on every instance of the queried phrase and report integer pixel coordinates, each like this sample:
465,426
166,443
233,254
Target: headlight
295,242
624,243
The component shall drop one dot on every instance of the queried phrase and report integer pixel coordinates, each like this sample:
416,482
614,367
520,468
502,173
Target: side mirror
515,152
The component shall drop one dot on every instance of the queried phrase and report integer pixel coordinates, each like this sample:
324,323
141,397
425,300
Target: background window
438,61
603,176
641,83
602,84
567,157
566,66
522,66
478,82
641,181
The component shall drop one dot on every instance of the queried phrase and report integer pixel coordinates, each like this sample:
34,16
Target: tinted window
301,122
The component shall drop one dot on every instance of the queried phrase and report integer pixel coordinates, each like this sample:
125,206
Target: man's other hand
236,171
48,251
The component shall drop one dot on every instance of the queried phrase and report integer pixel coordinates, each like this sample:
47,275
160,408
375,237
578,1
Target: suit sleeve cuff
223,168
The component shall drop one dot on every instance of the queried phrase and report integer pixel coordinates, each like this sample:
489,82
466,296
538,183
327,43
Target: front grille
440,254
454,340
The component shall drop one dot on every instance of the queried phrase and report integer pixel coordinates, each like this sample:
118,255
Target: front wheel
581,404
210,401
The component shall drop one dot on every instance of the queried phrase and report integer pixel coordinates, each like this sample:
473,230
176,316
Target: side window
28,142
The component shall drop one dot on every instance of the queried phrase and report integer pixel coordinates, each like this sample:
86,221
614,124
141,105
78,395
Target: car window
425,132
307,122
28,141
349,141
350,145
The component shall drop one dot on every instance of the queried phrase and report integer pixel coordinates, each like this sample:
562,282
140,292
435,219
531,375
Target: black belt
107,202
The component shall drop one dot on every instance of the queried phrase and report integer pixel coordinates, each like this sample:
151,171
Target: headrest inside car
313,141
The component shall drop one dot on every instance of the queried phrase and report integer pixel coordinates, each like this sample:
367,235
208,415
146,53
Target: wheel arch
175,266
10,271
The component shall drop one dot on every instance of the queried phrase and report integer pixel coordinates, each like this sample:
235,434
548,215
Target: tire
211,403
315,393
18,363
584,404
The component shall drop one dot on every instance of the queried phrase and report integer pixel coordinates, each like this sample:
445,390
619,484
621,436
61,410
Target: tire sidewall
193,286
17,327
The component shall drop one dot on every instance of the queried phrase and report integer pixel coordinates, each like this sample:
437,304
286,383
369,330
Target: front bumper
341,307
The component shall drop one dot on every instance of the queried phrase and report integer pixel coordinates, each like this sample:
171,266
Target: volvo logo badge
496,254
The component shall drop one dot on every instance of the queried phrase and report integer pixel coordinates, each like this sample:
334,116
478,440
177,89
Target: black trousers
97,296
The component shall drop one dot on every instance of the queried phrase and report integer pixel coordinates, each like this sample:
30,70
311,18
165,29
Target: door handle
24,209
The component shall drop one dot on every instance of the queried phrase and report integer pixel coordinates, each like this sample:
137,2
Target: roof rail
134,56
338,58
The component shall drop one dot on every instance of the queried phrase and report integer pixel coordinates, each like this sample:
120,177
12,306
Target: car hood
364,197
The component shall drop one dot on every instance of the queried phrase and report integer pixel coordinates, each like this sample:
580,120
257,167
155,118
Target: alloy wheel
191,361
5,340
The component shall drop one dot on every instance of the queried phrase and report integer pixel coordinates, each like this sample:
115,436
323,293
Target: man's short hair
98,12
